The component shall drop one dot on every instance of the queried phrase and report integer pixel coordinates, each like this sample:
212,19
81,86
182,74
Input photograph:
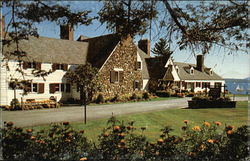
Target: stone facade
123,58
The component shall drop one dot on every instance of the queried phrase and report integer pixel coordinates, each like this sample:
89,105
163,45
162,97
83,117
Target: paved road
75,113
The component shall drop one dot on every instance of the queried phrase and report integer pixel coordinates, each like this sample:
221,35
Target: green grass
154,121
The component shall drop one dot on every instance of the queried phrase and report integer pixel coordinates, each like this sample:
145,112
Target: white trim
118,69
109,56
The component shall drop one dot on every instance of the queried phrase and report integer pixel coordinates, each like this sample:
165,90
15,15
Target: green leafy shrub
116,98
121,141
100,99
145,95
59,142
134,97
15,105
163,93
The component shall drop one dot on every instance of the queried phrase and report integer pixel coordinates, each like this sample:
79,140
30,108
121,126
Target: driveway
75,113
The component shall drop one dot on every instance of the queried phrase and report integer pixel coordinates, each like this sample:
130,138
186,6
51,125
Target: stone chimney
2,27
144,45
200,63
67,32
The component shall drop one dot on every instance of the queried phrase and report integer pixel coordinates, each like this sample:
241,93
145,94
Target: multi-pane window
36,87
137,85
205,84
198,84
59,87
116,76
138,65
59,67
34,65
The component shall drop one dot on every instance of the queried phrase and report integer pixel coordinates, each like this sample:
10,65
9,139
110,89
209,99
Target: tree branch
173,15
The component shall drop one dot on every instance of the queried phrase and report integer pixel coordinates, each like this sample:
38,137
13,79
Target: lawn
154,121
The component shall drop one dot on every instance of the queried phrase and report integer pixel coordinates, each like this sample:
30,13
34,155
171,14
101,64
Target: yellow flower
185,121
196,128
83,158
217,123
210,140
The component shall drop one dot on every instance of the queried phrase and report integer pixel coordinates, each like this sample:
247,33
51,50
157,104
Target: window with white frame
116,76
192,71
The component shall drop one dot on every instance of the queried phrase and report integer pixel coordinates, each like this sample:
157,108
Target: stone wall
123,57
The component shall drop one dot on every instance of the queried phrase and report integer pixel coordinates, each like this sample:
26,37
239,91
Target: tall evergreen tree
162,49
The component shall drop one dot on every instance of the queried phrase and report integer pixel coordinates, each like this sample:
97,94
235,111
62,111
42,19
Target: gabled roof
156,68
50,50
100,48
198,75
143,55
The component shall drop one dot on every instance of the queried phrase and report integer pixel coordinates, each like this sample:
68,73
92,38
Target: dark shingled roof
198,75
156,68
143,55
100,48
50,50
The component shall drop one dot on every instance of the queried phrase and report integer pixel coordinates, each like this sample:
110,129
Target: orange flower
210,140
160,141
186,121
29,130
116,128
217,123
83,158
229,132
230,127
32,137
105,134
206,124
196,128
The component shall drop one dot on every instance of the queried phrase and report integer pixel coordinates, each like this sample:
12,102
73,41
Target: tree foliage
86,78
209,24
127,17
24,16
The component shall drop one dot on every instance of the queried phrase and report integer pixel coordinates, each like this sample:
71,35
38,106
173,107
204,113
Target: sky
235,65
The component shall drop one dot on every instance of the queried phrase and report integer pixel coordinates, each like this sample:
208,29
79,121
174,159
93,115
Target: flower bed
118,141
32,104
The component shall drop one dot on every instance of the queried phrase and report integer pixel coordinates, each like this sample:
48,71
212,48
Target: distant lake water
242,86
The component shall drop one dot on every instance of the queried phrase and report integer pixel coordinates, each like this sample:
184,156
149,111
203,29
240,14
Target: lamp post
85,104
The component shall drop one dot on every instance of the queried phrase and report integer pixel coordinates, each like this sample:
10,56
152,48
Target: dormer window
211,72
192,71
177,69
